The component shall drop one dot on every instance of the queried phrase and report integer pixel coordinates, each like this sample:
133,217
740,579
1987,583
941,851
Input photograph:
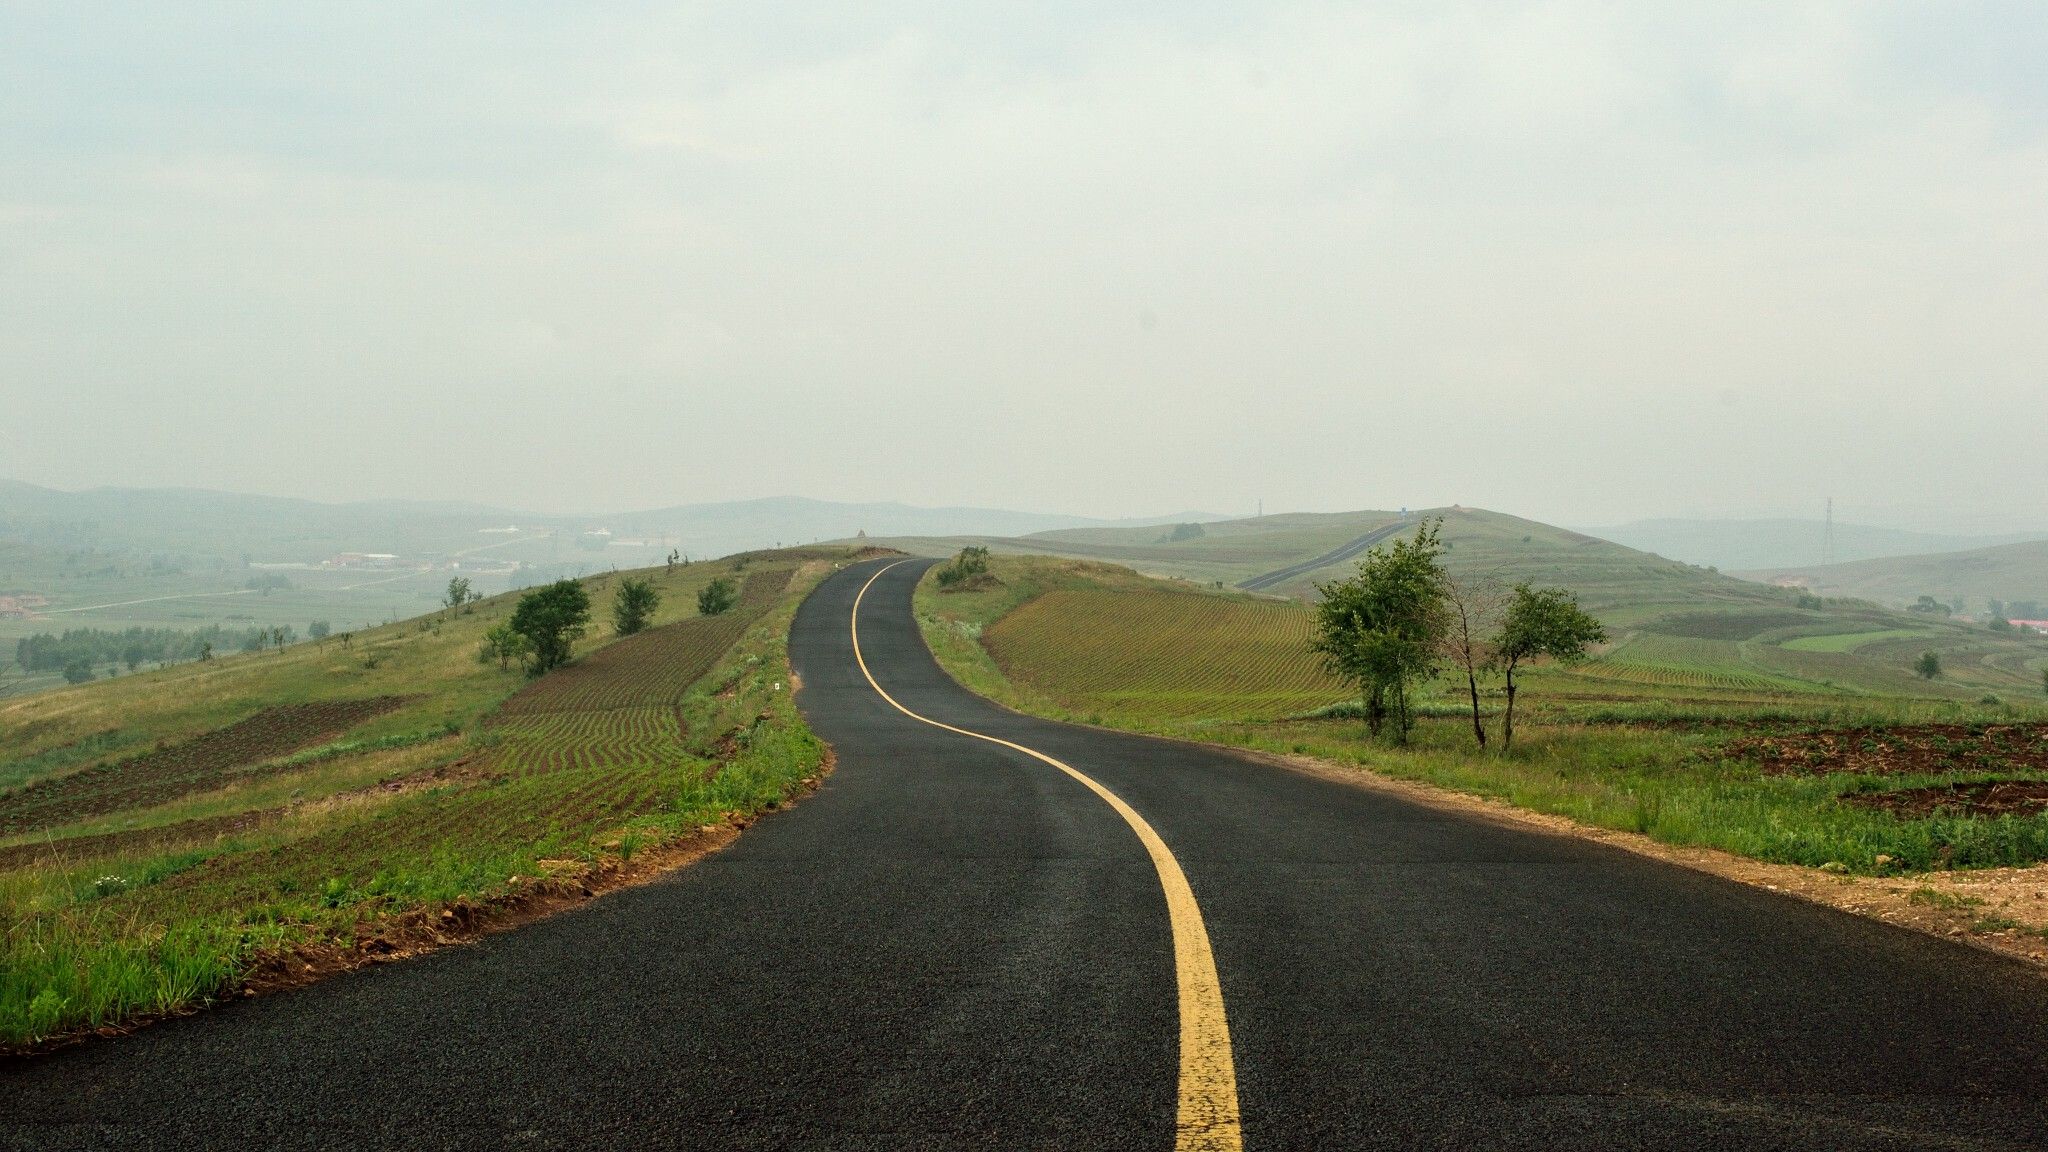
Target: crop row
1164,652
197,765
1677,675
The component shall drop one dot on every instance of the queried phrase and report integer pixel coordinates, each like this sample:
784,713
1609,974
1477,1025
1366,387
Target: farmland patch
1927,749
196,765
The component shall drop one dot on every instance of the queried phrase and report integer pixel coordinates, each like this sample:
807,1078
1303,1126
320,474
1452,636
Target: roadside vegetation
165,836
1856,765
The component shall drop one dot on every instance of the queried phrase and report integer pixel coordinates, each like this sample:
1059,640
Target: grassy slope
432,803
2007,572
1673,623
1603,753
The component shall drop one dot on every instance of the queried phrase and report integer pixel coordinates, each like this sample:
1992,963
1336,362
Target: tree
551,619
1929,605
1383,628
77,672
1541,622
458,592
504,645
1928,666
1474,605
714,598
318,629
633,604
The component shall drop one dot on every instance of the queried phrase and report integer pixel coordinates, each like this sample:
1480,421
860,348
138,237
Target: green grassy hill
2007,573
1672,623
164,832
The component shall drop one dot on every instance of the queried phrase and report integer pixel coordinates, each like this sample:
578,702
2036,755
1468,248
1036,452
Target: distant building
2034,625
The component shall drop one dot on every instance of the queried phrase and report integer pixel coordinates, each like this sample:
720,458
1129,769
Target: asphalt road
954,944
1342,552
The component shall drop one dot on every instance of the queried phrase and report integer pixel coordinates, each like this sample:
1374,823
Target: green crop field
1658,735
163,833
1132,650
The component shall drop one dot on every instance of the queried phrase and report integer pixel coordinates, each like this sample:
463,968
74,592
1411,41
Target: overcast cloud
1581,261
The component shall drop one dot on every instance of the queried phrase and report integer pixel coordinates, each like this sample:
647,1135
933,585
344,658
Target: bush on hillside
971,562
717,597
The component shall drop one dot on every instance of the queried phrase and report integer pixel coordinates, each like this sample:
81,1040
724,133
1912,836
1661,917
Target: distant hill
196,522
1607,575
1669,622
2008,573
1759,544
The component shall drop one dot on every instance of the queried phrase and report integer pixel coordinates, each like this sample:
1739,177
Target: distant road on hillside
1336,555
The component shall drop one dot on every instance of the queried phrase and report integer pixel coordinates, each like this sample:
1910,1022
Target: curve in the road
1207,1116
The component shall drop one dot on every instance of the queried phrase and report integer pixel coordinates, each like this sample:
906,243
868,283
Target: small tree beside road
551,619
1541,622
1473,607
1384,628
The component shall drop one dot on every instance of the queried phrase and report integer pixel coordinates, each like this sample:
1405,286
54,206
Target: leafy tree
551,619
971,562
318,630
77,672
1384,628
633,605
504,645
716,597
1929,605
1474,608
458,592
1928,666
2000,624
1183,532
1541,622
133,656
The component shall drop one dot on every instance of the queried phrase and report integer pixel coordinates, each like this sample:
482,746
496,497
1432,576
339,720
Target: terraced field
1164,653
236,751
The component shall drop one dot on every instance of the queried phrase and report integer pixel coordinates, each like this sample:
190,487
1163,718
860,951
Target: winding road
971,937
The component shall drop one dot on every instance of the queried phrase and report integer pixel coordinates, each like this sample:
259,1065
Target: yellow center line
1208,1118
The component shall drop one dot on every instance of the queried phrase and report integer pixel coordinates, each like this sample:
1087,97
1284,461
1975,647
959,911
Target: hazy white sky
1581,261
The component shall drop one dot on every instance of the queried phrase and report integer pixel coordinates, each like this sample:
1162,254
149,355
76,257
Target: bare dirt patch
1985,798
1931,749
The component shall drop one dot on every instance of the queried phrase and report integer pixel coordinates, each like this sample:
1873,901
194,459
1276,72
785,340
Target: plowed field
197,765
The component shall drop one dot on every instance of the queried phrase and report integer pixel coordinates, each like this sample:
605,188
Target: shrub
1928,666
717,597
971,562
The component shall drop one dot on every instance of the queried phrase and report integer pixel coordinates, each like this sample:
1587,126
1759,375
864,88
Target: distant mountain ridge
1786,543
2009,573
192,520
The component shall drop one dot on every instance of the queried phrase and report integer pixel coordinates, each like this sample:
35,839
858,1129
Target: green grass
1633,754
1849,641
95,941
